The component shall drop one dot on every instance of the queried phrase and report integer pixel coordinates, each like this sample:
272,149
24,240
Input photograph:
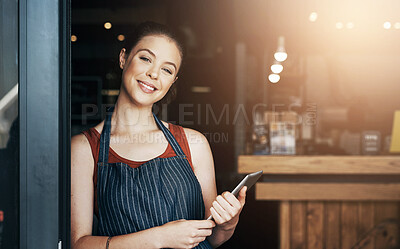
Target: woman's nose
152,73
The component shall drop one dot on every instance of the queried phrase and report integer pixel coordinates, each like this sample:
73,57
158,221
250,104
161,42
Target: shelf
320,165
328,191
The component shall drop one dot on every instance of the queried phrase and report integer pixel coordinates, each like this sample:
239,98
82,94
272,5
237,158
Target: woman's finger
242,195
218,219
226,205
233,201
221,211
203,224
199,239
205,232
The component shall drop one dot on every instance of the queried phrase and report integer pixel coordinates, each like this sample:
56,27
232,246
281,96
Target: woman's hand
185,233
226,209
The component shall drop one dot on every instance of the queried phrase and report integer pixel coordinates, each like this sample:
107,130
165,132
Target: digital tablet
248,181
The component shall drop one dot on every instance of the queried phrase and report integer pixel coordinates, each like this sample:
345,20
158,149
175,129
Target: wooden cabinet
338,224
331,202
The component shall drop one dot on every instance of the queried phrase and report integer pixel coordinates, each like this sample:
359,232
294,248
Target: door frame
44,111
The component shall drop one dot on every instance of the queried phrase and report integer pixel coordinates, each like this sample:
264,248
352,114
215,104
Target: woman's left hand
226,209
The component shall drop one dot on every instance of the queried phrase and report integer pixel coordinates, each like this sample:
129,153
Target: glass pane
9,125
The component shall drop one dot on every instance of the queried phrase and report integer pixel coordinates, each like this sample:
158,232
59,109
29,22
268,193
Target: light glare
313,16
74,38
274,78
350,25
276,68
397,25
387,25
339,25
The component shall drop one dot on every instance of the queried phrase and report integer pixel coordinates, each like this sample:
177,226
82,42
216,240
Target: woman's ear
122,58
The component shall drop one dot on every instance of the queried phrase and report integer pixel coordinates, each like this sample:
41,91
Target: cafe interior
307,91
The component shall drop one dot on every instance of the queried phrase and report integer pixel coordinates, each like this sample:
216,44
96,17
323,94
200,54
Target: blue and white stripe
159,191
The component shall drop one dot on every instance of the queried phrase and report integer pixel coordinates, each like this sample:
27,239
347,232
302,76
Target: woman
150,183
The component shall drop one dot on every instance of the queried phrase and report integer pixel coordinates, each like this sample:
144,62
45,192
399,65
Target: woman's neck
129,118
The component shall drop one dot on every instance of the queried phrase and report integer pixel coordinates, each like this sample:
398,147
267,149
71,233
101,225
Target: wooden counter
318,209
316,165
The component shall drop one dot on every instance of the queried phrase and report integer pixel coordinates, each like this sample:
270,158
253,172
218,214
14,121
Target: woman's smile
146,87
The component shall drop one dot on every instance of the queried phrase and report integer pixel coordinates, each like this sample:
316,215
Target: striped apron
159,191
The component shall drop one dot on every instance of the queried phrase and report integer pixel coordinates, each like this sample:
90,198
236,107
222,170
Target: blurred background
333,88
306,90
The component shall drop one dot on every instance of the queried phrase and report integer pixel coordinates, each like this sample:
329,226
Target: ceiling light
313,16
339,25
387,25
350,25
74,38
121,38
276,68
274,78
107,25
201,89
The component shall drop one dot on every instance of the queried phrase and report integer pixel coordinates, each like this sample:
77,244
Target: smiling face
150,69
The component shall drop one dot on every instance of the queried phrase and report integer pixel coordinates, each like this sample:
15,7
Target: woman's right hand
185,233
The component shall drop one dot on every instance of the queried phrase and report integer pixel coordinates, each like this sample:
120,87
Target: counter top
324,165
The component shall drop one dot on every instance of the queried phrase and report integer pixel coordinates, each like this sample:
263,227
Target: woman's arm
175,234
82,194
225,208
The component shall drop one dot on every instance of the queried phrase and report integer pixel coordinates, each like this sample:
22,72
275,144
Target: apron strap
171,139
105,138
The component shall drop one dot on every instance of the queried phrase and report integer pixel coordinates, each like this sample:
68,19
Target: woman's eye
167,70
145,59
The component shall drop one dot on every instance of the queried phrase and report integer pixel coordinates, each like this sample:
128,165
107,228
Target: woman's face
150,69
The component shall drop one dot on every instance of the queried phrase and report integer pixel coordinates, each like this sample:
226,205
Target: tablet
248,181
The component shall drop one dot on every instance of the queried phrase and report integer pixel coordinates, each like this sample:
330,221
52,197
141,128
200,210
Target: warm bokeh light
350,25
313,16
387,25
121,38
274,78
280,56
276,68
74,38
107,25
397,25
339,25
